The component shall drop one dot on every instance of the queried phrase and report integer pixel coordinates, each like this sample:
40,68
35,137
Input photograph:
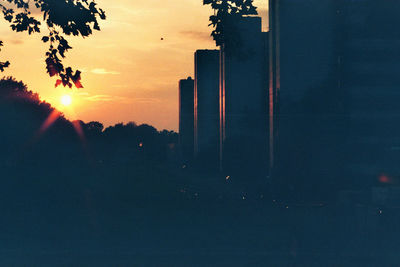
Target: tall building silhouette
186,118
369,63
206,108
303,70
243,99
333,86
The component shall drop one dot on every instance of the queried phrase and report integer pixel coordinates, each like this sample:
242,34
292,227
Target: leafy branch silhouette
225,13
3,65
63,18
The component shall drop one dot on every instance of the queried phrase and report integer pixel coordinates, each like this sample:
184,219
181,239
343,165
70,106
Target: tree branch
63,18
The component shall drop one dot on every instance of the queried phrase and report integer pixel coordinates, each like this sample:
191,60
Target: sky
128,72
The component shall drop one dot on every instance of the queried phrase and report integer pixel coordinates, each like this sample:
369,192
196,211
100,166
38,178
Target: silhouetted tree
11,88
70,160
225,13
93,128
62,18
3,65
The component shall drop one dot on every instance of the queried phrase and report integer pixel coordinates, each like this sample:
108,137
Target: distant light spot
385,179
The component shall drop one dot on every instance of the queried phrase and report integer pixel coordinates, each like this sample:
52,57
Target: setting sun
66,100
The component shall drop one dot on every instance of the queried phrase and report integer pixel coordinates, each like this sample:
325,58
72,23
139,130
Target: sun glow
66,100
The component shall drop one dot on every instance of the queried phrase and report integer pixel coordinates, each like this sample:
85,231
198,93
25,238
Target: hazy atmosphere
119,62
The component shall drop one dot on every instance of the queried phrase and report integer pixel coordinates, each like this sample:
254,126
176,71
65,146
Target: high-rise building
302,55
333,85
243,99
303,70
186,117
206,108
369,63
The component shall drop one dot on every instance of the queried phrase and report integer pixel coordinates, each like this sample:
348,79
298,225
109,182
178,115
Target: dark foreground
99,229
75,194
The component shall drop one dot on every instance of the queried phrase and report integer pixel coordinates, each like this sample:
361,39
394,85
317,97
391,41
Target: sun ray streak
79,131
49,121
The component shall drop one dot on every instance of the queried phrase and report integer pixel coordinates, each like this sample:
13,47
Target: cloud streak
196,35
17,41
101,71
121,99
102,98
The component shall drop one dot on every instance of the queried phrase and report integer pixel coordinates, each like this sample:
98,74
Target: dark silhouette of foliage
93,128
11,88
3,65
62,18
22,114
225,13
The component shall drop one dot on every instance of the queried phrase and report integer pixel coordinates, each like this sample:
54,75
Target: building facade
243,99
206,108
333,78
369,71
186,118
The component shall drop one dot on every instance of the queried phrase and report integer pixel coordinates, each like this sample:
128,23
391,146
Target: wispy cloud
83,93
103,46
17,41
147,100
101,98
197,35
119,86
101,71
121,99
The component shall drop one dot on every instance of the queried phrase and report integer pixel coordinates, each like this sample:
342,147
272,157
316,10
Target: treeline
43,152
27,123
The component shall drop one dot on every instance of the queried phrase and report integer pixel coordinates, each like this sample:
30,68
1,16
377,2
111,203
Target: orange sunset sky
129,73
